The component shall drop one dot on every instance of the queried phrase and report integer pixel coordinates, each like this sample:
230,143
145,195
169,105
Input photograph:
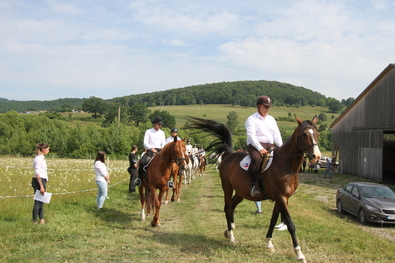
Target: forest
117,123
242,93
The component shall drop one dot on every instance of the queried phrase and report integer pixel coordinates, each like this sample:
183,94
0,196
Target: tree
334,105
322,117
232,121
168,119
138,113
94,105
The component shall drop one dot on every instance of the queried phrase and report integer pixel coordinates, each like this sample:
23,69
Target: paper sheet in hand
42,198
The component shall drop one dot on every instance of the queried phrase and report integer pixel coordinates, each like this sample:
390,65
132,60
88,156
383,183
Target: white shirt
262,130
171,139
100,171
189,149
154,139
40,166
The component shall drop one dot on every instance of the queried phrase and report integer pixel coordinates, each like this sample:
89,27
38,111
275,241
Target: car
322,162
369,202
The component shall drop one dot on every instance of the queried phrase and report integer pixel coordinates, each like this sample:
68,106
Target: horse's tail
222,143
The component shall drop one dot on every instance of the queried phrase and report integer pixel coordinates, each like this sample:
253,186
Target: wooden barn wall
360,132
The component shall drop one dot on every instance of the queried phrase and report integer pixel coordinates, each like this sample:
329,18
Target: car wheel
361,216
339,207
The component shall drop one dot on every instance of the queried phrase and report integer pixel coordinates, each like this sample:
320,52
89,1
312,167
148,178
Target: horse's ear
184,139
298,120
315,119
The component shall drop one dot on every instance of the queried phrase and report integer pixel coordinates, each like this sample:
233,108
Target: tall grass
191,231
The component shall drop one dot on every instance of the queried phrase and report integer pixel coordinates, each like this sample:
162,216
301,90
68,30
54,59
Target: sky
52,49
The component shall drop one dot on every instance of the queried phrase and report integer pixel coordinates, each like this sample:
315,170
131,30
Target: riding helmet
174,130
157,120
265,100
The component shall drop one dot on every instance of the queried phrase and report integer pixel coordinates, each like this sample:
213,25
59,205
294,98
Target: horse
188,173
279,181
195,165
202,165
158,175
177,180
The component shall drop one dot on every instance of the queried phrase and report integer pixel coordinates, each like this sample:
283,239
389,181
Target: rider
154,140
174,133
201,152
262,133
189,150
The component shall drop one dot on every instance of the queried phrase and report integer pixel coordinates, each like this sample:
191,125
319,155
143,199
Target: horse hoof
155,225
178,200
303,260
166,202
226,234
271,249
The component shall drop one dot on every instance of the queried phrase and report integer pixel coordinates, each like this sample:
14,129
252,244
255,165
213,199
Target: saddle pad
245,163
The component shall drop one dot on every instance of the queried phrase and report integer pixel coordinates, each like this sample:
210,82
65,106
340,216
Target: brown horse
171,157
202,165
176,176
279,181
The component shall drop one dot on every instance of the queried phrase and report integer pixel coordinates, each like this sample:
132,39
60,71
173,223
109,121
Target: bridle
177,160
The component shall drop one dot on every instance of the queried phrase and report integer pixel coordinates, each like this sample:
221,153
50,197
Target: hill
242,93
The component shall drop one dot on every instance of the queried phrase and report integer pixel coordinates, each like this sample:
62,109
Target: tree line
243,93
20,133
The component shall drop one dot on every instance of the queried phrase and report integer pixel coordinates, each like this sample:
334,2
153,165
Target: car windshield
377,192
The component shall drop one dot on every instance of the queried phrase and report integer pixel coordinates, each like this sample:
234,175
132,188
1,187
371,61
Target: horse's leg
175,188
143,202
273,222
178,185
157,199
282,207
230,206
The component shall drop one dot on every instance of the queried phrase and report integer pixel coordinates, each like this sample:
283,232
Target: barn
364,134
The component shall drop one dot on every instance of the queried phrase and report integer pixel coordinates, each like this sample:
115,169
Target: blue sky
53,49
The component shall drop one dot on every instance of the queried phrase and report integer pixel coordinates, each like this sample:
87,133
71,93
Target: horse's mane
223,141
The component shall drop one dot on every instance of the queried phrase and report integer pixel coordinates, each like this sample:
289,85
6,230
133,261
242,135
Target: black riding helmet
174,130
157,120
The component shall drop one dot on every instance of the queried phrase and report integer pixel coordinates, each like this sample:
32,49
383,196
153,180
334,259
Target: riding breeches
256,158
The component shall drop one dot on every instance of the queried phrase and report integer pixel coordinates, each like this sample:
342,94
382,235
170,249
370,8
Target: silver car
370,202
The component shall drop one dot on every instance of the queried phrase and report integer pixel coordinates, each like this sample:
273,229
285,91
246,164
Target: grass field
191,231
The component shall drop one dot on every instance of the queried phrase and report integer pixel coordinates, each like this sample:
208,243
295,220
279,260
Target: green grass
192,230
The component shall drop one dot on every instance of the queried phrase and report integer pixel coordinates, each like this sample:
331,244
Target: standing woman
102,178
39,181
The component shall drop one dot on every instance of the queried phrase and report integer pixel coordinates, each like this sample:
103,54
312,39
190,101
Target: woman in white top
102,178
39,180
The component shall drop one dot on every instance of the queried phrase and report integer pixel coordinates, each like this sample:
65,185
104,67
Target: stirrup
170,184
137,182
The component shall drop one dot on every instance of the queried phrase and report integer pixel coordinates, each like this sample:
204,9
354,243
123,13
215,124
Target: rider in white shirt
174,133
262,133
154,140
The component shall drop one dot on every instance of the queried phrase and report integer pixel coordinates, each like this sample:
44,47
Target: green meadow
192,230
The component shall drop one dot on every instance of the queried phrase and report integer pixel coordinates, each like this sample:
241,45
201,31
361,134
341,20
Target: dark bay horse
171,158
280,180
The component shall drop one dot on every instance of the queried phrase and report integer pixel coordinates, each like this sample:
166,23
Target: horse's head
307,136
179,155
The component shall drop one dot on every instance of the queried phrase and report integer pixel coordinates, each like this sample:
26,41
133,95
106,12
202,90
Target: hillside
242,93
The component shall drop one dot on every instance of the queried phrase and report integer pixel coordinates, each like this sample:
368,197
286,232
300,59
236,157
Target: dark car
370,202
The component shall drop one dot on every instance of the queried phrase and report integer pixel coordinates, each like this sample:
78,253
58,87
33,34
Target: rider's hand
263,151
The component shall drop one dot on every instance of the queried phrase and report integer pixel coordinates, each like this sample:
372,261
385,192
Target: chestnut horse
202,165
279,181
171,158
177,180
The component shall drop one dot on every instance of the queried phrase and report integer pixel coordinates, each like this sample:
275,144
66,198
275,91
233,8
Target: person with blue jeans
328,168
102,178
